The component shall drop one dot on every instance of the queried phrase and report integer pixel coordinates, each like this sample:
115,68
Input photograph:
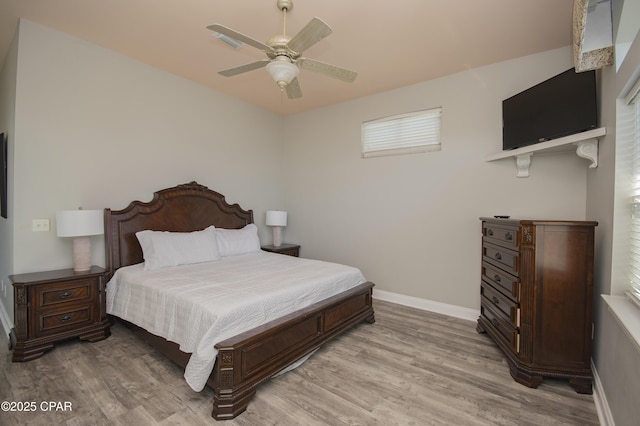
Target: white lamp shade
276,218
79,223
282,72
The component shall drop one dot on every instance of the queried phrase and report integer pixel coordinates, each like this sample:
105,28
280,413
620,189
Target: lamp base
277,236
81,254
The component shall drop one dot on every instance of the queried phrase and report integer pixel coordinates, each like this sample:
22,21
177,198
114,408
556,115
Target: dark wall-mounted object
560,106
3,179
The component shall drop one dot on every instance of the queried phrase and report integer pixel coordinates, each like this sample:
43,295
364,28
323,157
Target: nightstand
288,249
56,305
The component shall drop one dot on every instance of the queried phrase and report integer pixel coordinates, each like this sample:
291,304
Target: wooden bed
250,358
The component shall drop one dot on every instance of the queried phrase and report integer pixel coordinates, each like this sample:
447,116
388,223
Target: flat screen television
557,107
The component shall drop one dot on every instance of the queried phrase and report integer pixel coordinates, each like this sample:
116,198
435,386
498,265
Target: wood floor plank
410,367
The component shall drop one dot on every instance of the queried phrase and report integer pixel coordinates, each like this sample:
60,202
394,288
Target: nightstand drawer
56,322
65,292
286,249
295,251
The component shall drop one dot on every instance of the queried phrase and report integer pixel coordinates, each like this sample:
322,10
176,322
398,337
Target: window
634,235
402,134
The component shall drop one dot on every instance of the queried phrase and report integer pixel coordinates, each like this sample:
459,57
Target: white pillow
162,248
232,242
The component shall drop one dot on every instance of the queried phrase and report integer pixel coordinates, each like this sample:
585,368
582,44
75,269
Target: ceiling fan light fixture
282,72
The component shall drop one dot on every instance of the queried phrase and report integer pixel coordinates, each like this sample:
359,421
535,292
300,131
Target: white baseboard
427,305
5,321
600,399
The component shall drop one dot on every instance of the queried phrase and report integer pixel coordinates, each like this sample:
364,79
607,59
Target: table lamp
277,219
80,225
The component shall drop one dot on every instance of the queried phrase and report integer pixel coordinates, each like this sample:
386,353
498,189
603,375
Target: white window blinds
402,134
634,255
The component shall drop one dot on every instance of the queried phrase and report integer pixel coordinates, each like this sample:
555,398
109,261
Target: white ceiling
389,43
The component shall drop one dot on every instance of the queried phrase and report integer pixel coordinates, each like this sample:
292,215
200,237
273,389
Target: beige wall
97,129
411,222
7,119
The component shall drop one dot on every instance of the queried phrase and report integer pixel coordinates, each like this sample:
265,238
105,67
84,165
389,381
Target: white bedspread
199,305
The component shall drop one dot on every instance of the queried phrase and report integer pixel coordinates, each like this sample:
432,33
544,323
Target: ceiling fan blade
244,68
327,69
293,89
312,33
239,36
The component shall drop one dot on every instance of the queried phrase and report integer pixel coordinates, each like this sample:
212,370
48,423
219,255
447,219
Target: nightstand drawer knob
495,300
65,294
498,256
65,318
496,278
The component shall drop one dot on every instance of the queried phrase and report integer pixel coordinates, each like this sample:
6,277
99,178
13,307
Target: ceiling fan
284,53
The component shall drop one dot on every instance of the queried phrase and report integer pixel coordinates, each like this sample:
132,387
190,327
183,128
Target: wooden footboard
248,359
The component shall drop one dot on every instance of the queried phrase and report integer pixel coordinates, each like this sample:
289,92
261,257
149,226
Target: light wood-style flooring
409,368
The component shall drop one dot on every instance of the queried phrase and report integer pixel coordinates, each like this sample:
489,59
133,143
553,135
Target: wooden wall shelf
585,144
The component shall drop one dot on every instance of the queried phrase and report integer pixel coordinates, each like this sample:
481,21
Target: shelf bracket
523,162
588,149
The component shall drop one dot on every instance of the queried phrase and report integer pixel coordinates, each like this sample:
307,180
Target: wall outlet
40,225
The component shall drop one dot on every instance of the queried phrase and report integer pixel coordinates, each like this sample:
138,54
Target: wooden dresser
537,295
56,305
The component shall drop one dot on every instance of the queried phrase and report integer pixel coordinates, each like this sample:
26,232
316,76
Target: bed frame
248,359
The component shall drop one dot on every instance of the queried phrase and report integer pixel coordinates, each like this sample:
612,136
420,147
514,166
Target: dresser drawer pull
65,318
65,294
508,236
494,322
489,232
498,256
495,300
496,278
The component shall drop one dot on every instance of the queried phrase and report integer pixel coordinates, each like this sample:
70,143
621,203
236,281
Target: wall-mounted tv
557,107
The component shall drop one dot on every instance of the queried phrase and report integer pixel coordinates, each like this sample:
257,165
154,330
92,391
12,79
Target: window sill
627,314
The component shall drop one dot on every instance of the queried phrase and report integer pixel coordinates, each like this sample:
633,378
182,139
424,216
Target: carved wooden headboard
183,208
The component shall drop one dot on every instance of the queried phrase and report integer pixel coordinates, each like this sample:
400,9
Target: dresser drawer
57,322
506,236
507,283
503,329
51,295
502,304
503,258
